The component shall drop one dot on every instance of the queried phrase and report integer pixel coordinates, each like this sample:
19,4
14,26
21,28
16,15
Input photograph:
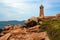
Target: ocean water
4,23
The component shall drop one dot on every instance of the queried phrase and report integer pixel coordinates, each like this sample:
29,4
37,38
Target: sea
4,23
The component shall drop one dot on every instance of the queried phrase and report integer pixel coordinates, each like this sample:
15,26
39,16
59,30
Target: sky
24,9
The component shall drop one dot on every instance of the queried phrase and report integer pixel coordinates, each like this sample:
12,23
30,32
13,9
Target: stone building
41,15
58,15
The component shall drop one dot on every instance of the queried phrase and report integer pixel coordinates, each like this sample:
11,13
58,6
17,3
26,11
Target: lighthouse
41,12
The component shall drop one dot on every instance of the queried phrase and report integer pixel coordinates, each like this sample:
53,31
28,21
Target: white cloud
15,3
12,3
19,4
17,9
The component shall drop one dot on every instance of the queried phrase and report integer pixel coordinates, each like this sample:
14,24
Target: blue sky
24,9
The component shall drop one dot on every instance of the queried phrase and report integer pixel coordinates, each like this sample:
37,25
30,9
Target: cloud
16,3
15,9
23,9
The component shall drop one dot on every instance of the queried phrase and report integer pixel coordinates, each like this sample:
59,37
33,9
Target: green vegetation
52,26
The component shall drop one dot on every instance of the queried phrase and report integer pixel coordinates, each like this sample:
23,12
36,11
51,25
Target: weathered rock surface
5,37
18,26
34,29
31,21
18,32
7,27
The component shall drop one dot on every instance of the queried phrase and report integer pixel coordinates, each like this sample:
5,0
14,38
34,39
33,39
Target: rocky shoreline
29,32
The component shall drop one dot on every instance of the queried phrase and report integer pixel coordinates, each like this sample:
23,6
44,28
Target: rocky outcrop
31,21
18,26
34,29
29,36
7,27
19,32
5,37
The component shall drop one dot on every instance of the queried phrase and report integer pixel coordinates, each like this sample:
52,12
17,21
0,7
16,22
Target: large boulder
5,37
18,26
8,27
31,22
30,19
34,29
18,31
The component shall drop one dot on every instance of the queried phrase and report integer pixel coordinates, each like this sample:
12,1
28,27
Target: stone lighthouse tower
41,12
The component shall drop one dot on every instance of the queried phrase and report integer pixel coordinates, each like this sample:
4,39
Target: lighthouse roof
41,6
